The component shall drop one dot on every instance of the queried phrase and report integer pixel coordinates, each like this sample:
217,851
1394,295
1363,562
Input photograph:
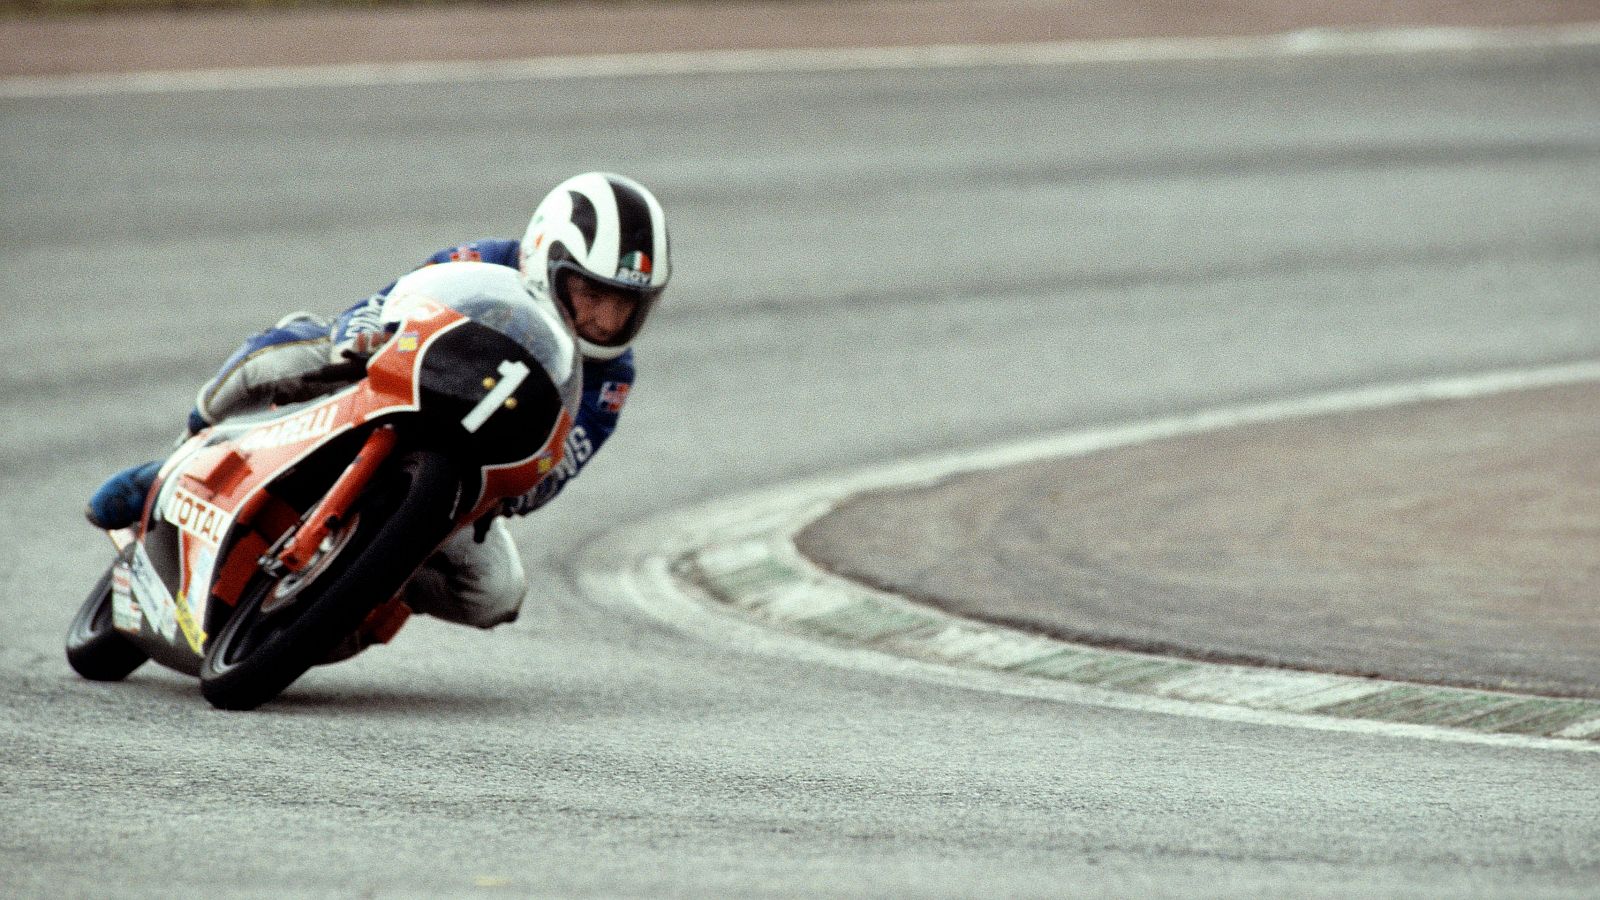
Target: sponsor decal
302,427
185,614
154,601
578,450
466,253
197,517
124,611
407,342
200,575
613,394
635,268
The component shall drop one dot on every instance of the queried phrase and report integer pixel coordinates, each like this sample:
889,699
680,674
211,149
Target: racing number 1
512,374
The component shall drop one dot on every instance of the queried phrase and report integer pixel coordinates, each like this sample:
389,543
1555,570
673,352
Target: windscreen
493,296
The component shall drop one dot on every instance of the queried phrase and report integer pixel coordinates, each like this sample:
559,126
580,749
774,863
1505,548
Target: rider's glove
360,331
521,506
480,528
360,346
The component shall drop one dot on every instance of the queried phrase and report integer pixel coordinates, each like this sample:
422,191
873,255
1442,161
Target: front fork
334,507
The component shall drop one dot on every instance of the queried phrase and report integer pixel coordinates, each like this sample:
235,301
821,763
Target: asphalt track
871,266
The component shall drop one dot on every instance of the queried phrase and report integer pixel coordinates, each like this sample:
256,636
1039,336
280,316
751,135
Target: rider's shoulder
490,250
619,369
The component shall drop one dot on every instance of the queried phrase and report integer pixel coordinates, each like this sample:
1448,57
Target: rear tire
95,649
401,518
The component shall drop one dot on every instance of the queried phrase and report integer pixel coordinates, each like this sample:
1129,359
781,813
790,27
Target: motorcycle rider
597,245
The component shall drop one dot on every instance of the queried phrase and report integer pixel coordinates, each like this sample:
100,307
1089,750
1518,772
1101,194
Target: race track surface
870,265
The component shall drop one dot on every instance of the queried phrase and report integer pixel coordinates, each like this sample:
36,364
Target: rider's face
599,312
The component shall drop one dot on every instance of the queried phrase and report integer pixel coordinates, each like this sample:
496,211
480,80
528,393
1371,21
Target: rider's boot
119,502
380,627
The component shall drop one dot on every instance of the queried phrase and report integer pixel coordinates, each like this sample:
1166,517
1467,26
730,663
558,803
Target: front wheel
283,626
95,649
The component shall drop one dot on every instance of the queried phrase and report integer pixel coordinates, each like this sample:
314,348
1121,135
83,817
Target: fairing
475,366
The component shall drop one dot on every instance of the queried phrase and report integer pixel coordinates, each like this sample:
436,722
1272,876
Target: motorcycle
270,540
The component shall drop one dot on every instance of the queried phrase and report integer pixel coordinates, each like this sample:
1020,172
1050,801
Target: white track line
1294,45
634,565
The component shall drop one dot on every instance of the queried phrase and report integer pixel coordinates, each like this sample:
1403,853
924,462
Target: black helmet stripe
583,216
635,231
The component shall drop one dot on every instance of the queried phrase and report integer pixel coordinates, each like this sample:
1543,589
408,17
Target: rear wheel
282,626
95,649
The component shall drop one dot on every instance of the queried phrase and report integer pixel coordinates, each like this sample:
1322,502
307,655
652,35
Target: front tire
401,518
95,649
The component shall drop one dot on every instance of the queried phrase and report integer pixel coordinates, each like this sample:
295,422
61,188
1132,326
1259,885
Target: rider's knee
468,583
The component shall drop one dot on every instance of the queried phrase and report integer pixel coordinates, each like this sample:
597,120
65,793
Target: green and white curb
730,570
765,578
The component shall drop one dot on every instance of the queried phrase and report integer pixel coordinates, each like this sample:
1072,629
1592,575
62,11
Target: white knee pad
469,583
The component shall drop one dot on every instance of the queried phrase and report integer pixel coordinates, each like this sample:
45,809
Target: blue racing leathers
300,344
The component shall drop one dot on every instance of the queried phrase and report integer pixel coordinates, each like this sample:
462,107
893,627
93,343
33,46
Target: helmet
609,229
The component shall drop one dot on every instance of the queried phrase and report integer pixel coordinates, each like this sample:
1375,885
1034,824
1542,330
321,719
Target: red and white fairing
213,514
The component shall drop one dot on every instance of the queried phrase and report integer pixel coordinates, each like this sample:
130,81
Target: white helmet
609,229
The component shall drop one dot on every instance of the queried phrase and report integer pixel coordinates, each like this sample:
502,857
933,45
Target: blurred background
875,257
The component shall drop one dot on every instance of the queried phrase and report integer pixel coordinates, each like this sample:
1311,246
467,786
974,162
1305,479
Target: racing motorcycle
271,540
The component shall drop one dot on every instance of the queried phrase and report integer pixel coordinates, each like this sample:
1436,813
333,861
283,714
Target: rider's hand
359,346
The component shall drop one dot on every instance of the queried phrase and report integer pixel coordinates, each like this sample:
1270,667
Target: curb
766,578
737,559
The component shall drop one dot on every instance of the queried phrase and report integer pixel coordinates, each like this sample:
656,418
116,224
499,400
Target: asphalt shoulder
265,36
1451,542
